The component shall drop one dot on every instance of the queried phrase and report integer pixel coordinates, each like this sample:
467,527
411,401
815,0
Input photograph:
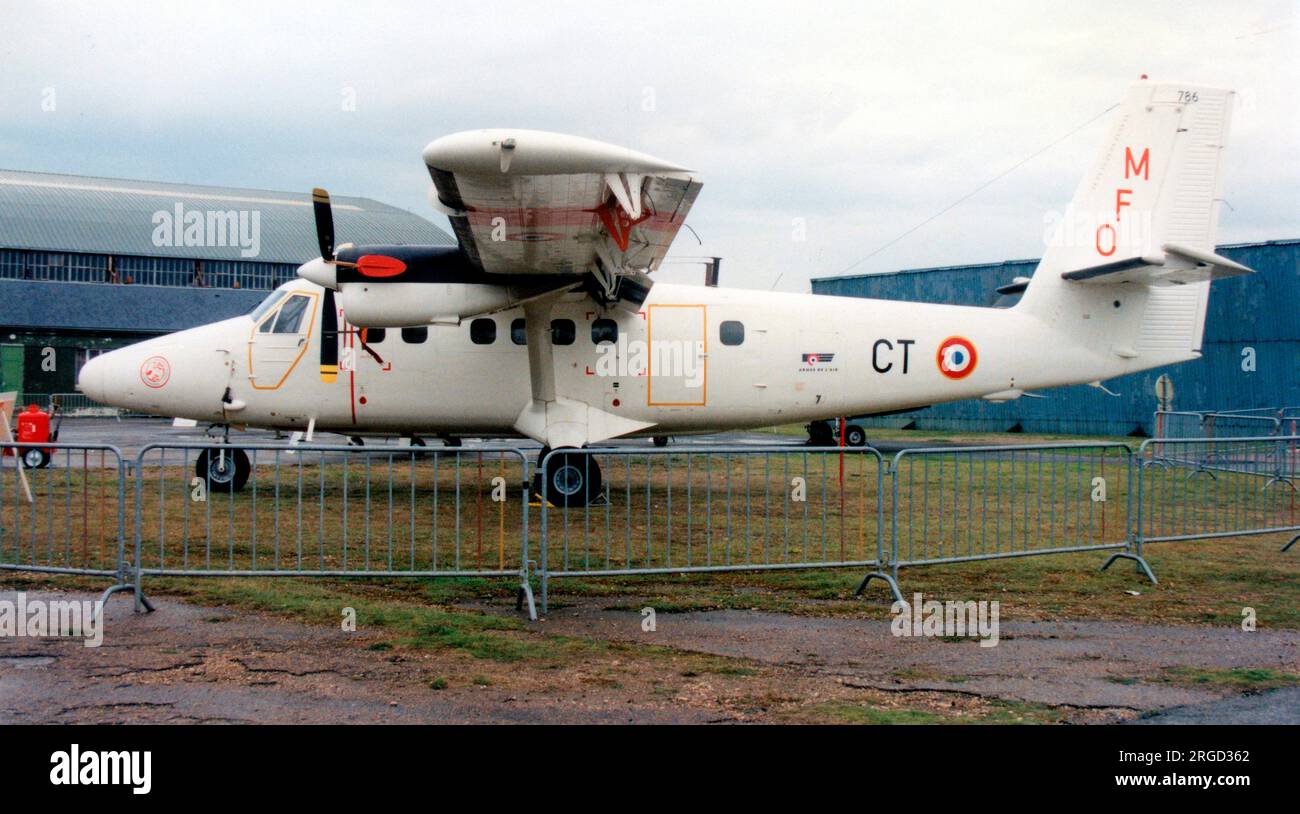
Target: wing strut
550,418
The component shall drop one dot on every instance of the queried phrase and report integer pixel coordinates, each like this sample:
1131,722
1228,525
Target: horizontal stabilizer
1178,265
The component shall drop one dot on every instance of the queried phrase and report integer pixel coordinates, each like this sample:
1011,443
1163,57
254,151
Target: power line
978,189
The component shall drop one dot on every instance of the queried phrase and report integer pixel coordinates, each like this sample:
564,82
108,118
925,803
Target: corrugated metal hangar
89,264
1251,349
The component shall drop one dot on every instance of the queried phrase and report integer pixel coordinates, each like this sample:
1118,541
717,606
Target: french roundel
957,357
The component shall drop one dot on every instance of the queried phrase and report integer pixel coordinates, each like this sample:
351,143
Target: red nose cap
380,265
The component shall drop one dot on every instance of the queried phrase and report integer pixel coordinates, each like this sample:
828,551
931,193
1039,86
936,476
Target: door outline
704,332
305,334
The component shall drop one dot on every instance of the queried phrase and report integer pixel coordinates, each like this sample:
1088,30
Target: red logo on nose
155,372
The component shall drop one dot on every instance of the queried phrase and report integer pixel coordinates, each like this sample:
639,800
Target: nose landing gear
223,469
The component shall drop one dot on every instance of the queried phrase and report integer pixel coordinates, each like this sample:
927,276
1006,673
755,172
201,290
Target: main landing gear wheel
224,469
661,440
821,434
855,436
572,479
35,458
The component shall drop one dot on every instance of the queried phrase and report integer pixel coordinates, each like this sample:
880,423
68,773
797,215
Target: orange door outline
273,313
704,332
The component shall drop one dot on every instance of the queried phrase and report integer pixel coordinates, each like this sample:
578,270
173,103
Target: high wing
537,215
531,202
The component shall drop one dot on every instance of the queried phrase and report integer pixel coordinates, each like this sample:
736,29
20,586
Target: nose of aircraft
181,374
91,379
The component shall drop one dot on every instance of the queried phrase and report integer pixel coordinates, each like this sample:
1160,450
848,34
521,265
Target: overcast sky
861,119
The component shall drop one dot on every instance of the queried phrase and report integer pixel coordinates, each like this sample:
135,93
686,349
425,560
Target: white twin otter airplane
545,322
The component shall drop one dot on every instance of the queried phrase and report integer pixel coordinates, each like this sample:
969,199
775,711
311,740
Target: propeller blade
329,339
320,201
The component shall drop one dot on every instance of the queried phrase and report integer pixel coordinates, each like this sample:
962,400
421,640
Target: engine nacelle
400,305
402,286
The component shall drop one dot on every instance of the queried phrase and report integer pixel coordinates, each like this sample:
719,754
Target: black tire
35,458
660,440
855,436
223,469
820,434
572,479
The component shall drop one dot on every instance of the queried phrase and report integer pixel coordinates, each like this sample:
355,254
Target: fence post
545,560
1136,469
525,584
142,603
890,579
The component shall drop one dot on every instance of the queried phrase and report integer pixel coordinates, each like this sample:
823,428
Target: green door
11,368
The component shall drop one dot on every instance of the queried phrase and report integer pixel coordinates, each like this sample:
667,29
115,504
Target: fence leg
1141,562
140,599
526,595
142,603
889,580
1294,540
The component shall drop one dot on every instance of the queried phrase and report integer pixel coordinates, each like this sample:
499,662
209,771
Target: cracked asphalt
189,663
193,664
1098,665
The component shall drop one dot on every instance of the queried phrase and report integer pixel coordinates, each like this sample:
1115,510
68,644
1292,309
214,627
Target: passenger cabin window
563,331
604,330
483,331
519,331
416,335
373,336
731,332
290,316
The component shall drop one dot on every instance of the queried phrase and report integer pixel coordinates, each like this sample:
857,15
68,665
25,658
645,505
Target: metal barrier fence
1210,424
959,504
332,511
335,511
63,511
70,404
717,509
1218,487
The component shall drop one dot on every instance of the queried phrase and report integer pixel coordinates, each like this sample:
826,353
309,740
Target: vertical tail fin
1157,182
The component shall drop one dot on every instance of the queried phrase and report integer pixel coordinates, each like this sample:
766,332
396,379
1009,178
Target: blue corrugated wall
1260,311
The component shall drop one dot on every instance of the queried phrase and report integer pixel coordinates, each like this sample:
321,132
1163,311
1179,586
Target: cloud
862,119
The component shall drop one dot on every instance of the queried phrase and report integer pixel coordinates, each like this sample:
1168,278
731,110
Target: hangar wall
1260,312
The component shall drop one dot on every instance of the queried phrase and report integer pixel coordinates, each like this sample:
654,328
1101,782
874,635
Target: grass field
674,511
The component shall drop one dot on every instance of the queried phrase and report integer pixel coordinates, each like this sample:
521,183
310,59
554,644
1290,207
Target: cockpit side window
266,305
291,315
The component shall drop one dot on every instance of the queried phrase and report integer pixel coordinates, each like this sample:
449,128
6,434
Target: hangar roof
73,213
